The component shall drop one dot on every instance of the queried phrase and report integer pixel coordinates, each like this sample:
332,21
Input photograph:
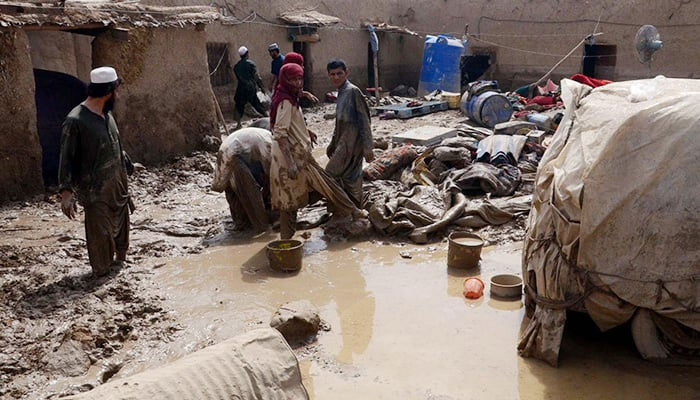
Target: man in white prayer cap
93,171
248,83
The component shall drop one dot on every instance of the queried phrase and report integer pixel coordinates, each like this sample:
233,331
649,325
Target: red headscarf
285,90
293,58
290,58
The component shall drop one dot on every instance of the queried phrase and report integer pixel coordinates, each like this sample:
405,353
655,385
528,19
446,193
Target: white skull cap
242,50
103,75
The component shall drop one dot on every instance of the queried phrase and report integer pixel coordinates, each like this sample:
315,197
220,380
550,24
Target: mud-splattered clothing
288,194
92,165
243,170
352,139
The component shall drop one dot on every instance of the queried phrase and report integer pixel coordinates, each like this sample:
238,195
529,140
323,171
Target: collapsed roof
79,13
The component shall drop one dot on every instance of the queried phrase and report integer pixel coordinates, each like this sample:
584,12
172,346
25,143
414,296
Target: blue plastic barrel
487,109
440,69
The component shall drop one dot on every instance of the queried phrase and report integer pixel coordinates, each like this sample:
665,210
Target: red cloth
285,90
592,82
293,58
542,100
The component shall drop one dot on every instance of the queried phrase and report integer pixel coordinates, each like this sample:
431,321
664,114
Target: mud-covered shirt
90,151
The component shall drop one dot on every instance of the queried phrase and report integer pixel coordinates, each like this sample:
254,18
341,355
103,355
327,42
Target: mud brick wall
20,151
165,106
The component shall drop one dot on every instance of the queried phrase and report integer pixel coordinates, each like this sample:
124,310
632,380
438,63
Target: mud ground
192,281
61,331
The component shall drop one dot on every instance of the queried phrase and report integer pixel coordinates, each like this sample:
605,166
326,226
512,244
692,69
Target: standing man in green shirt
92,170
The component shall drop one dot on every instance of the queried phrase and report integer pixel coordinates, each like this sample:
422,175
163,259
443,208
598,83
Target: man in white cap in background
93,169
248,82
276,64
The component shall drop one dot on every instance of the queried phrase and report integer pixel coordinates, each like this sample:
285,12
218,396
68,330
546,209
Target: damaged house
46,53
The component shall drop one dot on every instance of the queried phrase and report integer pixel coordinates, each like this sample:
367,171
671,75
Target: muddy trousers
247,200
107,233
288,224
321,182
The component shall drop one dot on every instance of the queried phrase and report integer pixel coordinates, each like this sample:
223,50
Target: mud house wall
350,45
62,52
536,27
256,38
346,40
526,37
165,106
20,151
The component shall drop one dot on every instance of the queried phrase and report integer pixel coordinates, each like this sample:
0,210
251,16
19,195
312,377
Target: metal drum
487,109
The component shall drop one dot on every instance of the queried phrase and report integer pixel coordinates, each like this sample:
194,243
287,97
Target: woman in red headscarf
293,171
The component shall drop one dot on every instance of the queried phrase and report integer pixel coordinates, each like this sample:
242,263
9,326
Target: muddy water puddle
400,327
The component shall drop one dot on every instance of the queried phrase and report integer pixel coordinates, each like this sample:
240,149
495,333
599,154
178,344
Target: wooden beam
312,38
23,9
120,34
74,28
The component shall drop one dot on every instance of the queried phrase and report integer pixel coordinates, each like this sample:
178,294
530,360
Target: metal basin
285,255
507,286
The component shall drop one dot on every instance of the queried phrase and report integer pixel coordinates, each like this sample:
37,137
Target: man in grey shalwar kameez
352,138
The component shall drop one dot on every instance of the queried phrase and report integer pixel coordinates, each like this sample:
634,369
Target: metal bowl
507,286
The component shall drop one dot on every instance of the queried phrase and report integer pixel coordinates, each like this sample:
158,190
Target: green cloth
523,91
90,152
92,164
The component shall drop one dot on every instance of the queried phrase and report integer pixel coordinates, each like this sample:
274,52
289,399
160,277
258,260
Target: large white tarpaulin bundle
615,225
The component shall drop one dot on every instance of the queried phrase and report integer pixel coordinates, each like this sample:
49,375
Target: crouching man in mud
294,172
93,168
352,137
243,171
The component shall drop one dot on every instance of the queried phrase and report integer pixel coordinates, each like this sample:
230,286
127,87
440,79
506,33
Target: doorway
56,94
61,62
221,76
599,61
303,49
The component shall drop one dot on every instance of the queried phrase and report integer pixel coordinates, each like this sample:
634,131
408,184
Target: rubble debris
412,108
386,100
380,143
395,210
297,321
69,359
514,128
426,135
211,143
500,180
401,90
501,149
420,235
494,212
391,161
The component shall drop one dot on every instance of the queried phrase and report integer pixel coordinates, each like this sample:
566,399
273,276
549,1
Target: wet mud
396,324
